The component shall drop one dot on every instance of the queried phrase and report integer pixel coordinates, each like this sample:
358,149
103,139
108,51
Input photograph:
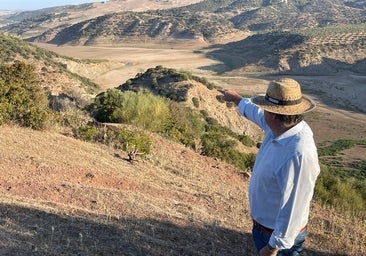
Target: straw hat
284,97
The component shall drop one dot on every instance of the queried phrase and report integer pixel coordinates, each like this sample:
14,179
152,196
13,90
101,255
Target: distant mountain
205,20
129,26
30,23
286,35
299,14
317,51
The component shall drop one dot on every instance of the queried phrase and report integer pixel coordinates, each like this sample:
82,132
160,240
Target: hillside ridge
196,93
200,20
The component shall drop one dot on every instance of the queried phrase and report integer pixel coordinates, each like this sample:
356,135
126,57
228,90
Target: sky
22,5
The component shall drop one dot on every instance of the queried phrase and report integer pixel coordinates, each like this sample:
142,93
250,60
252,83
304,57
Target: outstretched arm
246,108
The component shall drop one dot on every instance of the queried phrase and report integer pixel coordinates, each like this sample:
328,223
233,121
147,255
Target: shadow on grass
26,231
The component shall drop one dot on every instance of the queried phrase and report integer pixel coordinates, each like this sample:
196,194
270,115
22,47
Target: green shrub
219,141
129,82
216,144
184,125
196,102
341,184
87,133
210,86
175,121
149,112
222,146
220,98
182,77
142,109
339,145
155,83
342,194
241,160
246,140
121,138
107,103
22,100
204,113
128,139
211,122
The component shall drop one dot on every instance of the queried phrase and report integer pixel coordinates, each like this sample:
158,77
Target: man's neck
278,130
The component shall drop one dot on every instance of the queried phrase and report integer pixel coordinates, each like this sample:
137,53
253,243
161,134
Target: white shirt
283,178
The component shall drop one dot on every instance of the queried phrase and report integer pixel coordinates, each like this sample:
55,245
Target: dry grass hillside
61,196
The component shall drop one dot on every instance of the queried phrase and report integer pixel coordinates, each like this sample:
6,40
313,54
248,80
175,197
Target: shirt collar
285,137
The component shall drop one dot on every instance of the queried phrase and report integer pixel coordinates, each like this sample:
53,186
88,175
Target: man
286,167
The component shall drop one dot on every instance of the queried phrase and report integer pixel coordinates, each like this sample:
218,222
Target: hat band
282,102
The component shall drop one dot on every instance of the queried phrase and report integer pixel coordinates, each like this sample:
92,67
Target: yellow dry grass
61,196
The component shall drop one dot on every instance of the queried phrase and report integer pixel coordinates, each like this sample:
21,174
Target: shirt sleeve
297,178
252,112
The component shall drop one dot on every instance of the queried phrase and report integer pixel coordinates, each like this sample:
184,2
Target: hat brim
306,105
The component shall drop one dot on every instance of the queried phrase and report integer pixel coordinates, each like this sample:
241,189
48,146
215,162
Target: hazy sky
38,4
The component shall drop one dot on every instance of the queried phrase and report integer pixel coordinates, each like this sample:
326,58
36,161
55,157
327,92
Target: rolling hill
206,20
65,192
328,50
294,37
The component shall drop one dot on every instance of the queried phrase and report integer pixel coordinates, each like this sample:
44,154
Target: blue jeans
261,239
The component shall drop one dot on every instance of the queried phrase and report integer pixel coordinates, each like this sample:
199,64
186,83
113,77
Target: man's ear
273,116
276,118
